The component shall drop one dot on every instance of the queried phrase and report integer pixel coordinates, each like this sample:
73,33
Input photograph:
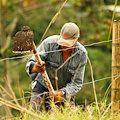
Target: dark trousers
39,98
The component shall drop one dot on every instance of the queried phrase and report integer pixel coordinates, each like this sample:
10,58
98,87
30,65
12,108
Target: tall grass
95,111
67,113
87,112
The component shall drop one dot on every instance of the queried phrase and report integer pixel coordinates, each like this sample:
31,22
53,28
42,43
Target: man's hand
38,67
57,96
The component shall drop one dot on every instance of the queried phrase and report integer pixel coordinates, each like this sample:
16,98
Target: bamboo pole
115,88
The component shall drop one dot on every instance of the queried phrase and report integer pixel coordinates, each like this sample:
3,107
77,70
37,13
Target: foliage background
94,22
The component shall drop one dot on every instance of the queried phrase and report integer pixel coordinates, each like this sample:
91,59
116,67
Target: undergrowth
88,112
75,113
79,112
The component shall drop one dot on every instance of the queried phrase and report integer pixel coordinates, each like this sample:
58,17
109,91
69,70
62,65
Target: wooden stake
115,89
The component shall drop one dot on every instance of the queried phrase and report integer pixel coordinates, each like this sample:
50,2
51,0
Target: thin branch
13,94
106,110
5,91
21,13
110,85
13,25
52,21
6,107
17,62
56,78
94,86
112,19
18,107
18,1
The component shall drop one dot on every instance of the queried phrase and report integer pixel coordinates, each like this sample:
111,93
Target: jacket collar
58,47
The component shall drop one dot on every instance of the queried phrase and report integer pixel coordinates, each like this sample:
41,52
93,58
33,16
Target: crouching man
54,51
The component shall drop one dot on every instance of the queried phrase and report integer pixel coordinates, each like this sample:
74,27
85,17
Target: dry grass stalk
19,108
106,110
53,20
13,94
94,86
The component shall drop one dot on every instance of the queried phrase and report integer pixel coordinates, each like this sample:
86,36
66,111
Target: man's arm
76,81
32,67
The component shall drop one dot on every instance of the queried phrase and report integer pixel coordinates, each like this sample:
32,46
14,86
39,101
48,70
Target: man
54,51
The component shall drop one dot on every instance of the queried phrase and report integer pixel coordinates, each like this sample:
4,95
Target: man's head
69,35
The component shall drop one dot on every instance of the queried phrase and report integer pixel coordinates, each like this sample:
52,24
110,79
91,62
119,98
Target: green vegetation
95,25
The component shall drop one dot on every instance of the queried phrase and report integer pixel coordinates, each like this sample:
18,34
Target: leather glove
57,96
38,67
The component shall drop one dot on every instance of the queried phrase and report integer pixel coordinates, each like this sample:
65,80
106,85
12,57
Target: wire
82,84
100,79
56,50
98,43
97,80
28,97
14,57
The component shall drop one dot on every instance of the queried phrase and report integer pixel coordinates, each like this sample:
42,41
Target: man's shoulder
51,39
81,47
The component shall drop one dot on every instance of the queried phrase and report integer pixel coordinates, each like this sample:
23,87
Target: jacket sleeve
41,51
76,81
